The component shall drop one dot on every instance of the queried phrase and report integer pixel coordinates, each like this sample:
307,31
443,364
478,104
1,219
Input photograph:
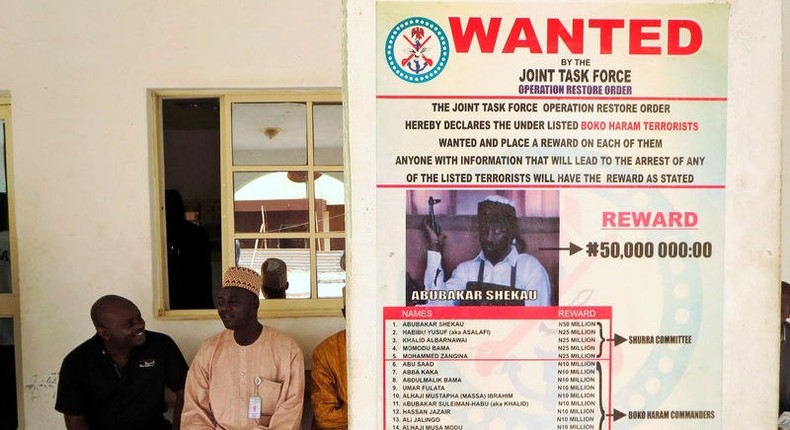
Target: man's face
122,326
495,238
237,307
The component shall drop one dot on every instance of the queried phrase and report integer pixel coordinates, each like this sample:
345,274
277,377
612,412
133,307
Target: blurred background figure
275,278
188,258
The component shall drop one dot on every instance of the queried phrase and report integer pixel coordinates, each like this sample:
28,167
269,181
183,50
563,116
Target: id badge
254,409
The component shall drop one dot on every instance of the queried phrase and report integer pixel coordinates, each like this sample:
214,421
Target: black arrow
616,414
573,248
618,339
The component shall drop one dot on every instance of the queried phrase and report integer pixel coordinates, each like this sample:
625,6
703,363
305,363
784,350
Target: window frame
280,308
9,302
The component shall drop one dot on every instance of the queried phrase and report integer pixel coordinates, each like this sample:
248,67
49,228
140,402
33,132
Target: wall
78,73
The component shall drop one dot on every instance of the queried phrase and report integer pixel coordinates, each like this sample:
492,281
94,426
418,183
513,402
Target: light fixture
271,132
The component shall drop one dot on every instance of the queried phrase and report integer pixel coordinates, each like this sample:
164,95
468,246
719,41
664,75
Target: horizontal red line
518,186
498,359
548,97
651,228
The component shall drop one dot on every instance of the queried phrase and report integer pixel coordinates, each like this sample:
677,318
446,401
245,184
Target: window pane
270,202
269,134
191,148
331,267
330,206
252,253
328,134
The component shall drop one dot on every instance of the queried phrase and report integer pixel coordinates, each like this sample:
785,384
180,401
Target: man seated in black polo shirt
116,379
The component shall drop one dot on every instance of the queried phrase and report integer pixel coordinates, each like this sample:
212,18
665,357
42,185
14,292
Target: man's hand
435,241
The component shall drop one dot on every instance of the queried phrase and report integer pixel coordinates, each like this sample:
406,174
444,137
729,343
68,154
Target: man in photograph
502,273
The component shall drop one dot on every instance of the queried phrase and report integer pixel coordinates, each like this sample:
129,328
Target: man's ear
286,286
103,333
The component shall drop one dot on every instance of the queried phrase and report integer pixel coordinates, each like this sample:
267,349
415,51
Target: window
246,178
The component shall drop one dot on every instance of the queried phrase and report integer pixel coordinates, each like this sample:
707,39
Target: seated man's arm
330,411
71,395
74,422
175,379
178,407
196,414
288,414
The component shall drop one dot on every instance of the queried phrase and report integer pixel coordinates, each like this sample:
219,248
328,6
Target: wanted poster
550,202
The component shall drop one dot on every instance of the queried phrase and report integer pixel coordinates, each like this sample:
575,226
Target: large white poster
551,208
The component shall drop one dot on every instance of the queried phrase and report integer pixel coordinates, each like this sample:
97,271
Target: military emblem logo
417,50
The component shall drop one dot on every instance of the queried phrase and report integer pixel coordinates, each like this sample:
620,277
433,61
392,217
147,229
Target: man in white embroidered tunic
501,273
248,376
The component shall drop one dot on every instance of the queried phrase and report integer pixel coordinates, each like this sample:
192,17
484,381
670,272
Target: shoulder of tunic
278,335
332,341
527,258
216,340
